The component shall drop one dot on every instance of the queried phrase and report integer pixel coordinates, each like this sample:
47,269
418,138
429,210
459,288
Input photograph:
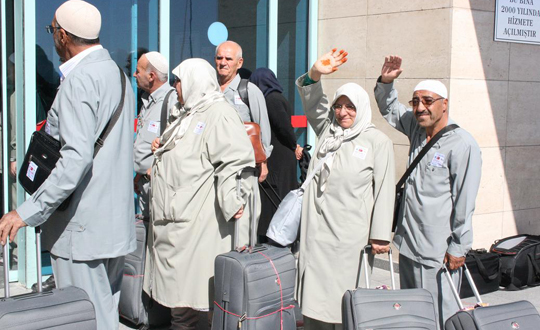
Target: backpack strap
243,92
164,113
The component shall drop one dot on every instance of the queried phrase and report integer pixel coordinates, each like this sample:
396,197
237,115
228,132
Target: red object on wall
298,121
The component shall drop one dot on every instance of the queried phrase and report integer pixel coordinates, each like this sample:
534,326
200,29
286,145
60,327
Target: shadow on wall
512,80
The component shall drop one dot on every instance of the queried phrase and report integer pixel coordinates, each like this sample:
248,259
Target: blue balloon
217,33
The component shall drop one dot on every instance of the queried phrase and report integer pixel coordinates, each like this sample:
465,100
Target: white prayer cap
158,61
434,86
79,18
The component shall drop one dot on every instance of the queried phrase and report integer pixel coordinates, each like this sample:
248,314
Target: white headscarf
200,88
362,122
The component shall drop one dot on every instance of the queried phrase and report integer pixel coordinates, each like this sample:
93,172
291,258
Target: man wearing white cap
435,219
157,99
89,239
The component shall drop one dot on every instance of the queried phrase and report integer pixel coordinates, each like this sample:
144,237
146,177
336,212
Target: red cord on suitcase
244,317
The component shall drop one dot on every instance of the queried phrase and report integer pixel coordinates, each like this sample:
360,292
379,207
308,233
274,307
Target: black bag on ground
135,305
484,267
254,285
520,260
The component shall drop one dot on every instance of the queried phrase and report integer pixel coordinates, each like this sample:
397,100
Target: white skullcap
434,86
79,18
158,61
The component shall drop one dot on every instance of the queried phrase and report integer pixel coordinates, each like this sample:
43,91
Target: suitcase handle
471,283
6,270
38,258
366,272
253,224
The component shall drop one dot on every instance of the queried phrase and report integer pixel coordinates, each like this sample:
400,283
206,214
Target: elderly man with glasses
89,239
435,219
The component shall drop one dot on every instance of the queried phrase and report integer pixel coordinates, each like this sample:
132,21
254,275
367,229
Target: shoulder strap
243,92
114,118
423,152
315,170
164,113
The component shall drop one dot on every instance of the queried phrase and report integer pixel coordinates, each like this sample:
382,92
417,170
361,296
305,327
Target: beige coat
193,197
356,205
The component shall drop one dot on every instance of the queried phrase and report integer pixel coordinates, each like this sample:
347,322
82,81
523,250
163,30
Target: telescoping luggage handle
38,257
471,283
253,220
366,271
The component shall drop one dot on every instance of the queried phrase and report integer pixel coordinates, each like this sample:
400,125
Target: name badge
199,128
153,127
31,172
360,152
238,100
438,160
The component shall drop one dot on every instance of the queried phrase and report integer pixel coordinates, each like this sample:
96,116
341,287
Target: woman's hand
298,152
240,213
328,63
155,144
379,246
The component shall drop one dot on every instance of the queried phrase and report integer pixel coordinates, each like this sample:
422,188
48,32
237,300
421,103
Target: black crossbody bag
44,151
401,183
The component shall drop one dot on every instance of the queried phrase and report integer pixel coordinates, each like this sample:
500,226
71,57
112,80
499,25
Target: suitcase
485,270
367,308
520,260
516,315
135,305
64,309
254,285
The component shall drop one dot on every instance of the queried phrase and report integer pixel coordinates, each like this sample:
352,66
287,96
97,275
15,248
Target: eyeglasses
349,107
50,29
427,101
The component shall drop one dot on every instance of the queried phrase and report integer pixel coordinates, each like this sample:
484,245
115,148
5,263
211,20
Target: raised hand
391,69
328,63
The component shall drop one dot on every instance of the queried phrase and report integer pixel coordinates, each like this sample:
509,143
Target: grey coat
336,224
99,221
193,200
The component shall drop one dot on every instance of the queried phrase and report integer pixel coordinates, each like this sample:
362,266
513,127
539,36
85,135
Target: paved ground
380,276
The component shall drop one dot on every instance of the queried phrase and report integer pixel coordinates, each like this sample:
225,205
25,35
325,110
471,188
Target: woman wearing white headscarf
194,193
349,203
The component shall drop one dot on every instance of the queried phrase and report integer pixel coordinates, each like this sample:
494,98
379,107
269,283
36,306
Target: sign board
518,21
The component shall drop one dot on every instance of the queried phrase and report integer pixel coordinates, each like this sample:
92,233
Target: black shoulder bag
400,184
44,151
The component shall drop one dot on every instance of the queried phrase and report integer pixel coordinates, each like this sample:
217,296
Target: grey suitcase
64,309
364,309
135,305
254,285
516,315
